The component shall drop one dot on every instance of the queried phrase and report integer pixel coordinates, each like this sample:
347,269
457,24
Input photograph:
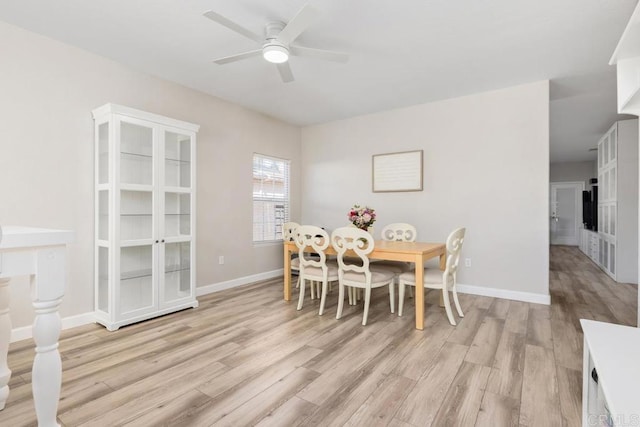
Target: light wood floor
245,357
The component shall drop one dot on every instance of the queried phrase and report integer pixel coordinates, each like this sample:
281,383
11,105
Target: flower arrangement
362,217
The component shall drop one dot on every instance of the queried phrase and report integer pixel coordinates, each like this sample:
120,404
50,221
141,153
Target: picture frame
397,172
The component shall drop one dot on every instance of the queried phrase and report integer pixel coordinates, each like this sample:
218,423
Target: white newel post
5,337
47,291
47,366
41,254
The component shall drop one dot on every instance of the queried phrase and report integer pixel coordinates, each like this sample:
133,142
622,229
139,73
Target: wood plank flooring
245,357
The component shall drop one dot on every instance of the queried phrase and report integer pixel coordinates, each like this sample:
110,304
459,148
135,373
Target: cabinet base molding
113,326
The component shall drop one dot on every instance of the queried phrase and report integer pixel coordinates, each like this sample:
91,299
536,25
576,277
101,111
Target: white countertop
615,351
14,236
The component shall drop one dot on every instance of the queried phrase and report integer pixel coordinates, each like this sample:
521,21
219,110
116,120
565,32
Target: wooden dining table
415,252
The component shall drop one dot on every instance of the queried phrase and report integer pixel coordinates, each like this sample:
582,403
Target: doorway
565,212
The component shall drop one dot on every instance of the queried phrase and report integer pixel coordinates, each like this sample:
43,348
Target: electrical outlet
221,259
467,262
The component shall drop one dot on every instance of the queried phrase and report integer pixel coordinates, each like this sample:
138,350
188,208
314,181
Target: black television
590,208
594,208
587,214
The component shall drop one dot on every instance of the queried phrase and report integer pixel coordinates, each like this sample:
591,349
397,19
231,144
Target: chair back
312,242
454,247
399,231
289,230
350,241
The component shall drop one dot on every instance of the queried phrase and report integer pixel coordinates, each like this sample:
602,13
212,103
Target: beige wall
486,167
48,90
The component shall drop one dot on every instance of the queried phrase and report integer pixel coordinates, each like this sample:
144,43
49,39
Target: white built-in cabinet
618,201
590,244
626,58
144,215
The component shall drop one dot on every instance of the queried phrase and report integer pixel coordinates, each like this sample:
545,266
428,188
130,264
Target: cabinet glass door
136,215
613,146
136,154
176,222
177,162
177,271
102,297
136,280
103,153
177,214
612,258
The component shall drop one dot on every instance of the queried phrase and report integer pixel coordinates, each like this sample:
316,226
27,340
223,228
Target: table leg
287,274
5,337
419,296
47,289
443,266
47,366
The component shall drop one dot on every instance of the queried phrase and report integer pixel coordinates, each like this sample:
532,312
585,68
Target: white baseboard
504,294
204,290
26,332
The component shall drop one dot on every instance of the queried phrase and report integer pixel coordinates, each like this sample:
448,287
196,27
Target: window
270,197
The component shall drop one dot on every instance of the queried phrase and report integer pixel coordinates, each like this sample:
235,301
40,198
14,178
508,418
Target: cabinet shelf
176,269
130,275
128,153
177,160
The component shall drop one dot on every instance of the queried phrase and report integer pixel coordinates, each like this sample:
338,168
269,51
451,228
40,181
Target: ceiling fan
276,44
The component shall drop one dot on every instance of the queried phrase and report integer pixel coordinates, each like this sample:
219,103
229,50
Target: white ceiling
401,53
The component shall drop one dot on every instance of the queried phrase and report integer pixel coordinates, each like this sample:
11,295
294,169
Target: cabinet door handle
162,240
157,241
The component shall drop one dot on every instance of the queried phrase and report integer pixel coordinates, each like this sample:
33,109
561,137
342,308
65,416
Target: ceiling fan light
275,53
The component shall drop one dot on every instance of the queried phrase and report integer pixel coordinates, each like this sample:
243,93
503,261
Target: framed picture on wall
397,171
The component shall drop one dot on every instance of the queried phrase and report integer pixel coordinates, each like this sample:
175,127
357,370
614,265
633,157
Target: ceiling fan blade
298,24
238,57
327,55
285,72
233,26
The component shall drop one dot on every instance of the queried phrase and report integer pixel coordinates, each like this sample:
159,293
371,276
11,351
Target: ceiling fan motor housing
273,29
274,50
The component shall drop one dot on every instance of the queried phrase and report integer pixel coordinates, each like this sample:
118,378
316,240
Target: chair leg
312,285
301,297
367,300
392,298
457,302
340,300
447,306
350,292
323,296
400,298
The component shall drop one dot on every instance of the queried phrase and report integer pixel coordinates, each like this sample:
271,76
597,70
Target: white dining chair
289,231
312,242
399,231
354,271
438,279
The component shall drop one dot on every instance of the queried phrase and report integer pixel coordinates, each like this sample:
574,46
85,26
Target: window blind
270,197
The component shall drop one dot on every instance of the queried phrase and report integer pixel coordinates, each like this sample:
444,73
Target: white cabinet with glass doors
145,215
618,201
